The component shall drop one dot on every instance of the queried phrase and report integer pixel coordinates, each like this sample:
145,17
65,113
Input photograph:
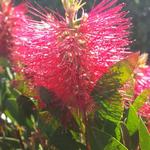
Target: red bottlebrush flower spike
68,56
142,81
8,16
133,88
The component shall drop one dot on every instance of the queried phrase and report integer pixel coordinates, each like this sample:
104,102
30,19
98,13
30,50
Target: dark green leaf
25,105
64,140
109,127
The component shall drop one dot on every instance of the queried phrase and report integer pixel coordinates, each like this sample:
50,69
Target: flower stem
71,11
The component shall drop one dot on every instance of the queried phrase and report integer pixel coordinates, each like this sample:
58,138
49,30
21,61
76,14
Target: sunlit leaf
132,120
141,99
106,92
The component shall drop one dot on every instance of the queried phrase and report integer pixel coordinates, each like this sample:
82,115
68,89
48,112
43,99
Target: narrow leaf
144,136
141,99
132,120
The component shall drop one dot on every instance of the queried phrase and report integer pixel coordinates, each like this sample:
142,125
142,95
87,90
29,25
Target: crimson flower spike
8,17
142,82
69,55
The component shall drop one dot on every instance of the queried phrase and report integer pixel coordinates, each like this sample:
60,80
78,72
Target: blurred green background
139,10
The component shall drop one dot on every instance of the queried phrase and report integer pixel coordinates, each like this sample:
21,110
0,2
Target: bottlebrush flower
141,75
132,89
8,16
142,82
68,56
142,79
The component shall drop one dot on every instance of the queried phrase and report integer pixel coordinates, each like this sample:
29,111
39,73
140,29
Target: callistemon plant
8,16
68,55
76,85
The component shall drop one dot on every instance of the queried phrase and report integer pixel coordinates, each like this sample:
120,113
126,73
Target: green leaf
132,120
141,99
100,140
118,132
109,127
25,105
114,144
144,136
106,92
